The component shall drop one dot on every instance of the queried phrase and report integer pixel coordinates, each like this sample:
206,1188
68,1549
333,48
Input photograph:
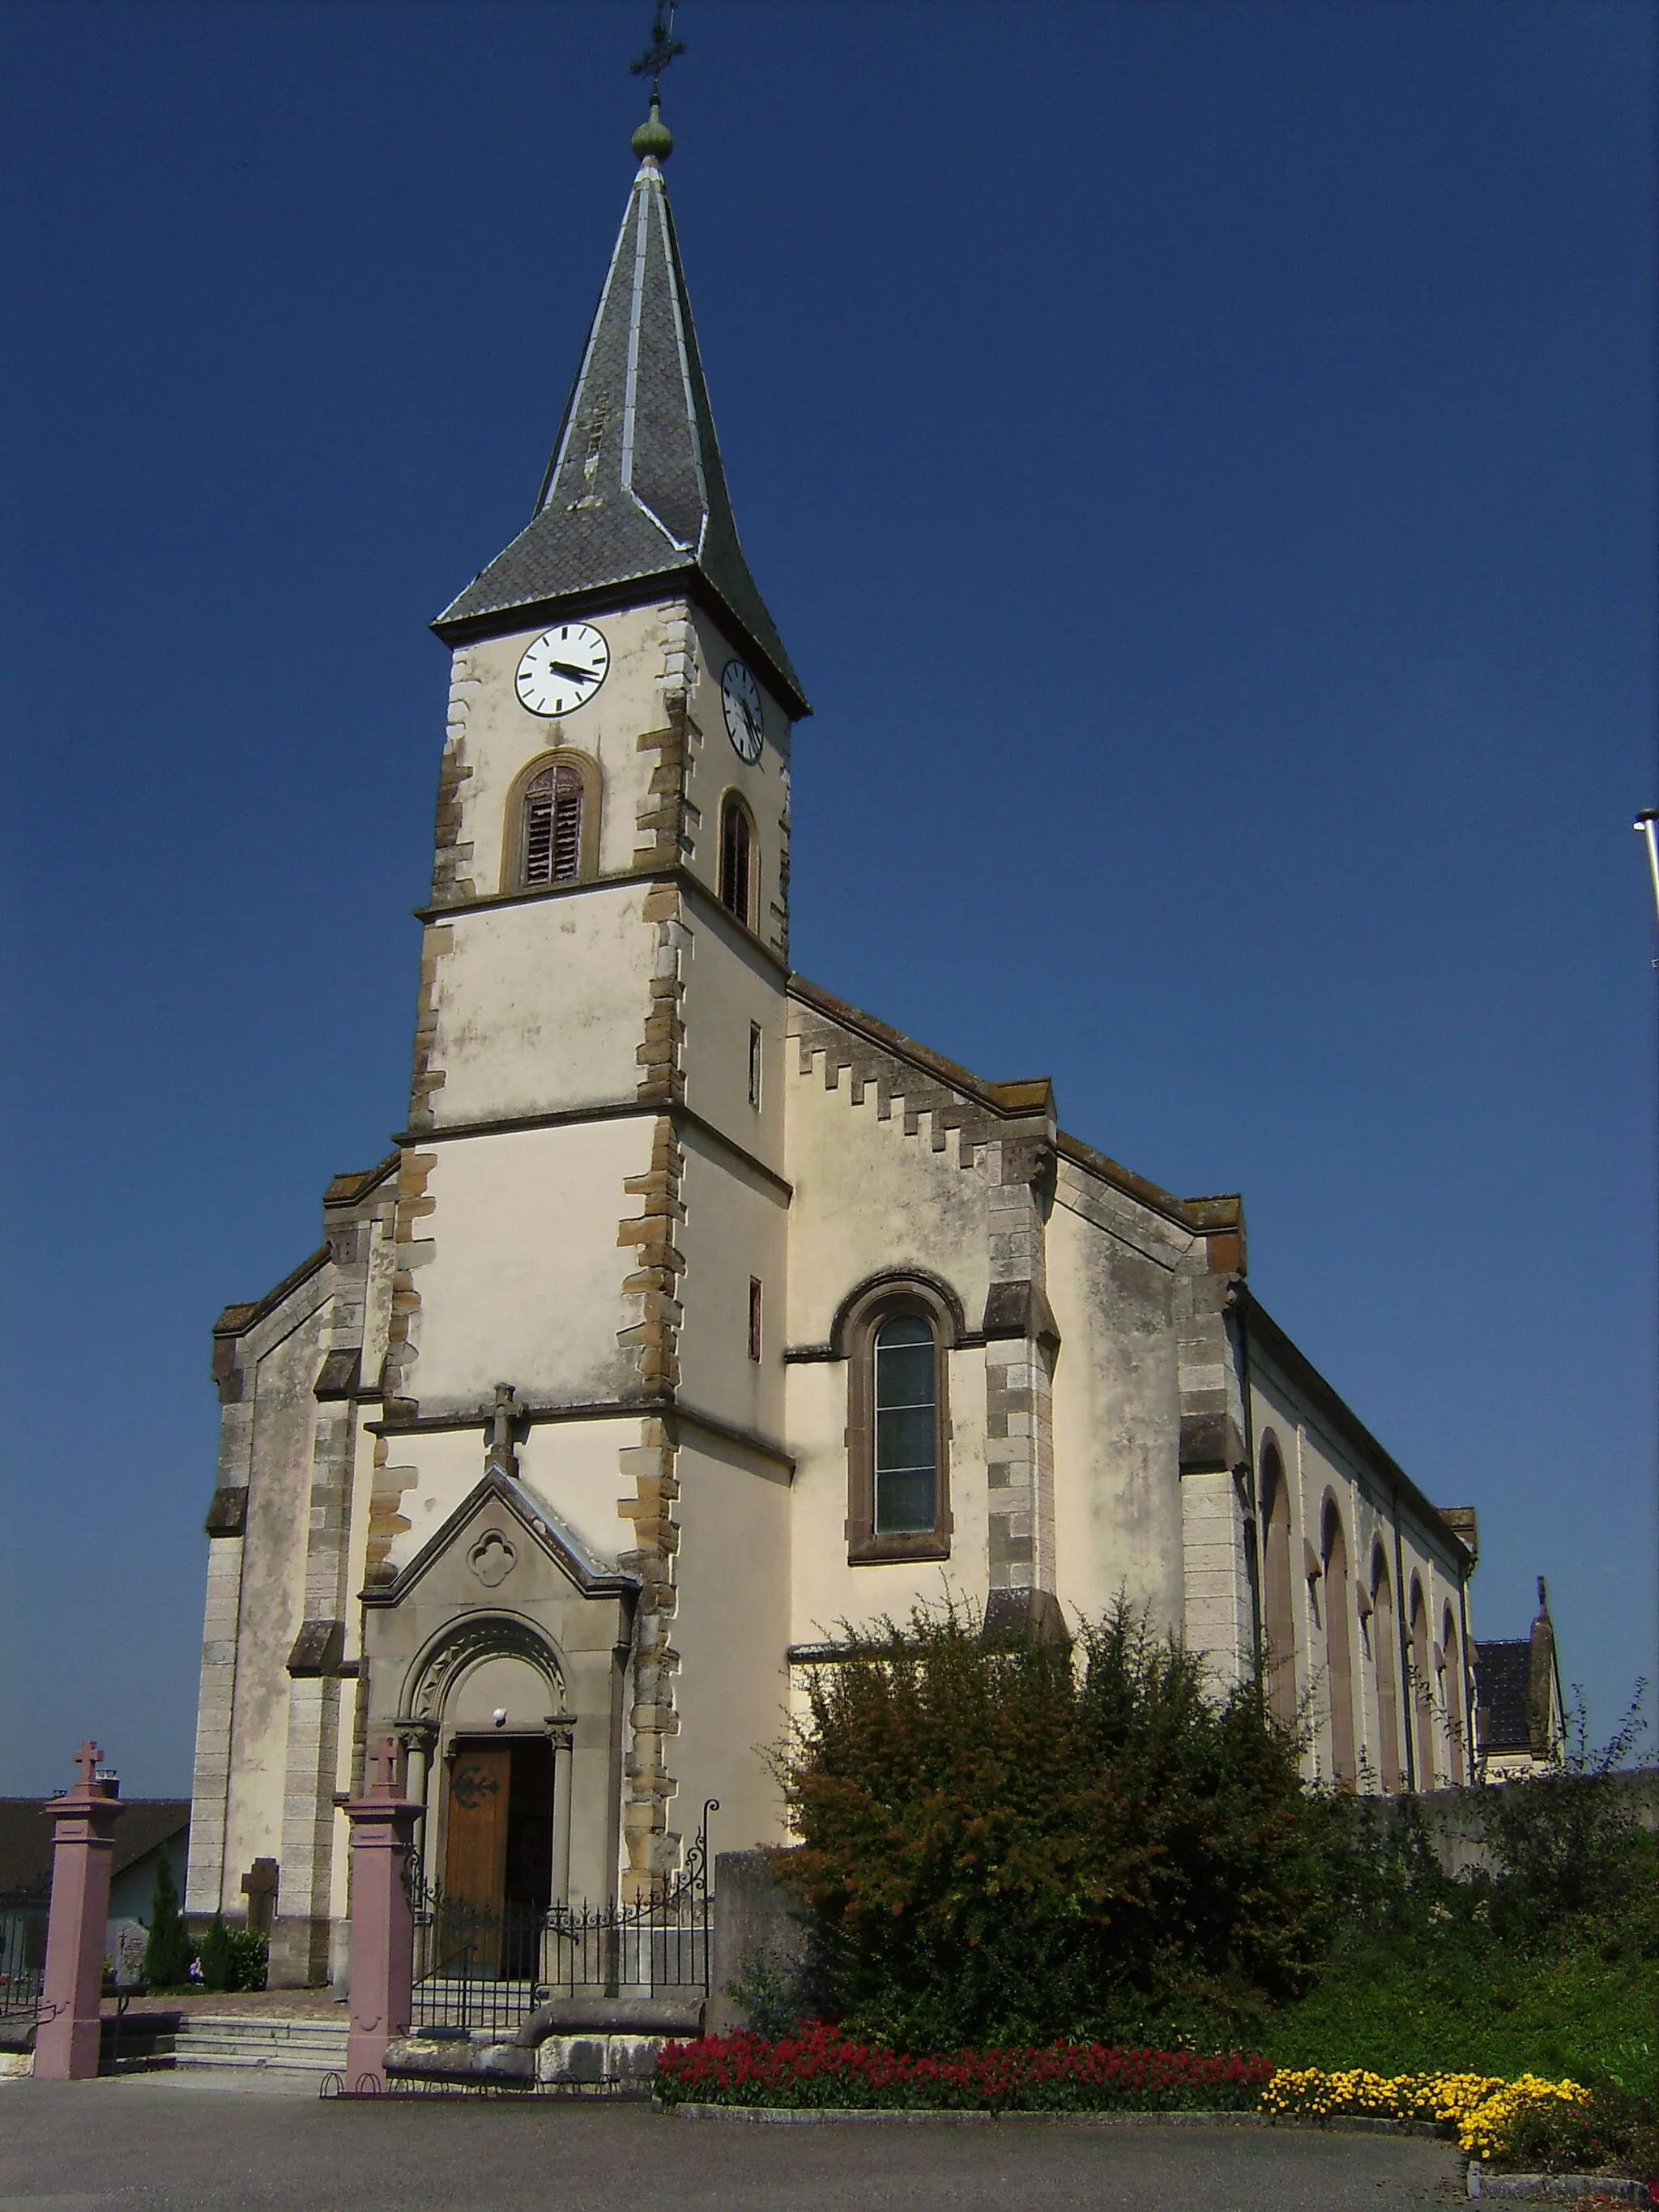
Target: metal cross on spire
661,50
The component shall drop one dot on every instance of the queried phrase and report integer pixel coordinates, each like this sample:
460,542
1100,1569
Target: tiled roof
26,1834
634,497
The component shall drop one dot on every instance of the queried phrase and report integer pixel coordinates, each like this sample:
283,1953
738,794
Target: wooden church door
474,1856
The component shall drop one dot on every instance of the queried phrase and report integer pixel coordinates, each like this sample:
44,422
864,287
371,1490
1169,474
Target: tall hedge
166,1952
1014,1844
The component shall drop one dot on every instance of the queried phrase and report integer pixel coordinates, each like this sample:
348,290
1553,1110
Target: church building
695,1311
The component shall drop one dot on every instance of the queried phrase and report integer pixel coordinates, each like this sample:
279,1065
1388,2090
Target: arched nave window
1339,1642
1422,1689
896,1339
1278,1658
1452,1685
1385,1653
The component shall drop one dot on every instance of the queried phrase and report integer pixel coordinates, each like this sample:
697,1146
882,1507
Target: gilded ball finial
653,141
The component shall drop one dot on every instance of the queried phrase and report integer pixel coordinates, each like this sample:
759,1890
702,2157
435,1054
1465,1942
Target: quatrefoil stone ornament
491,1558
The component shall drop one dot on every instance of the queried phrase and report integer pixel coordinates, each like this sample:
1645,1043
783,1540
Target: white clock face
562,670
745,724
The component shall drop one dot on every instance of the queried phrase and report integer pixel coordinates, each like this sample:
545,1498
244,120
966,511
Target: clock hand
576,675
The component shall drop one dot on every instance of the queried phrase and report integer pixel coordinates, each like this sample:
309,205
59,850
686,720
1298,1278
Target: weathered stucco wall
524,1281
826,1590
280,1368
539,1006
736,1228
870,1198
729,984
731,1627
1117,1411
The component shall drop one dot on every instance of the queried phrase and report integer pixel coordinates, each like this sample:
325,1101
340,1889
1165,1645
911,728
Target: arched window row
1416,1682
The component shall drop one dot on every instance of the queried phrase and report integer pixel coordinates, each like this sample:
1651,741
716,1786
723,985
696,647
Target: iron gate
476,1968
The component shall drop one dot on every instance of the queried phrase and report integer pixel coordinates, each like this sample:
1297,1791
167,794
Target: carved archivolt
464,1645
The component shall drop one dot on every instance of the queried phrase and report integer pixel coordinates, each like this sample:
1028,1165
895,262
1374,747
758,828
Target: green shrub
214,1954
1612,2128
773,1994
232,1958
167,1953
250,1956
1566,1843
1014,1844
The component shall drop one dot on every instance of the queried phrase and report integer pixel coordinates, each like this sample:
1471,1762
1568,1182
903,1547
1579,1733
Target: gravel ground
182,2144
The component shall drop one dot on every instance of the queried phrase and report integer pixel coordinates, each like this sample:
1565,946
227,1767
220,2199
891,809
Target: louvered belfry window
734,859
553,827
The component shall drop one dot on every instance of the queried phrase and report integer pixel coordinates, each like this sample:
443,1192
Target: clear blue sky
1202,460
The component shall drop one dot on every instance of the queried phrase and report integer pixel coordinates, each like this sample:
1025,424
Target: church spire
635,499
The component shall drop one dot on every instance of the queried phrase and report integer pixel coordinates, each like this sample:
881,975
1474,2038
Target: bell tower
592,1205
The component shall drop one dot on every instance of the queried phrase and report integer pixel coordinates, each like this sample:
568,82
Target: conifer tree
218,1955
167,1954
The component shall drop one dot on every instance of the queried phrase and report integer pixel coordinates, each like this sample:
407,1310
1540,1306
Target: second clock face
562,670
746,725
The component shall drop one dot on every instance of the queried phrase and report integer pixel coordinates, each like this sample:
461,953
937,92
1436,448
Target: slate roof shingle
636,493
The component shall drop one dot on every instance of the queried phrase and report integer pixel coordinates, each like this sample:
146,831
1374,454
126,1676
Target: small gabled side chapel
695,1310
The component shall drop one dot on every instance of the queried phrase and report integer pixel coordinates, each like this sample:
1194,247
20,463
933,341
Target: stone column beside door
66,2042
382,1919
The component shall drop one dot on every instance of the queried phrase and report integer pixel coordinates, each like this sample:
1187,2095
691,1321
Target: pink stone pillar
382,1920
66,2040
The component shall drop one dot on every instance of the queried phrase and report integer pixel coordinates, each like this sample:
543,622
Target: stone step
220,2041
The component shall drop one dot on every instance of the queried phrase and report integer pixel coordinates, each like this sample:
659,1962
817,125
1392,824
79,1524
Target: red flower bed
817,2065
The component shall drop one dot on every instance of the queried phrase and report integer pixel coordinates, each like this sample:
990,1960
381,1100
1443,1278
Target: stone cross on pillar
66,2041
501,1453
382,1919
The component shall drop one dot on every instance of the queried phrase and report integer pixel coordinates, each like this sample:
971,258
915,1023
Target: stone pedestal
382,1919
66,2042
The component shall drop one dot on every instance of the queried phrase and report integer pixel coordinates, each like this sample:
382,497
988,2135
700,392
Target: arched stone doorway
489,1739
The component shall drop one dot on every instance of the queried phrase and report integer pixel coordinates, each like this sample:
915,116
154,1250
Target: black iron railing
481,1967
23,1957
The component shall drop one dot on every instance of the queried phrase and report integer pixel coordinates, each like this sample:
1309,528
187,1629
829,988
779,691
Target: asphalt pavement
169,2143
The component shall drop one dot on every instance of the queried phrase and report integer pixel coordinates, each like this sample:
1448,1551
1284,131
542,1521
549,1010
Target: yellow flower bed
1480,2107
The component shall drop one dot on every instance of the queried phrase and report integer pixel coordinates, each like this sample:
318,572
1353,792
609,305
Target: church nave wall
1116,1399
1352,1520
825,1589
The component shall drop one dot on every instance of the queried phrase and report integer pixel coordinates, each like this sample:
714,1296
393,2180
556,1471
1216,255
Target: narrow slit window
907,1427
755,1066
754,1318
735,860
553,827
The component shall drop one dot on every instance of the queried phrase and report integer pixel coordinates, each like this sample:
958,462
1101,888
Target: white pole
1647,825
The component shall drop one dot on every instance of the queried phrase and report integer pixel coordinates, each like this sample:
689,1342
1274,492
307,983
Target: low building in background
1520,1722
147,1827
